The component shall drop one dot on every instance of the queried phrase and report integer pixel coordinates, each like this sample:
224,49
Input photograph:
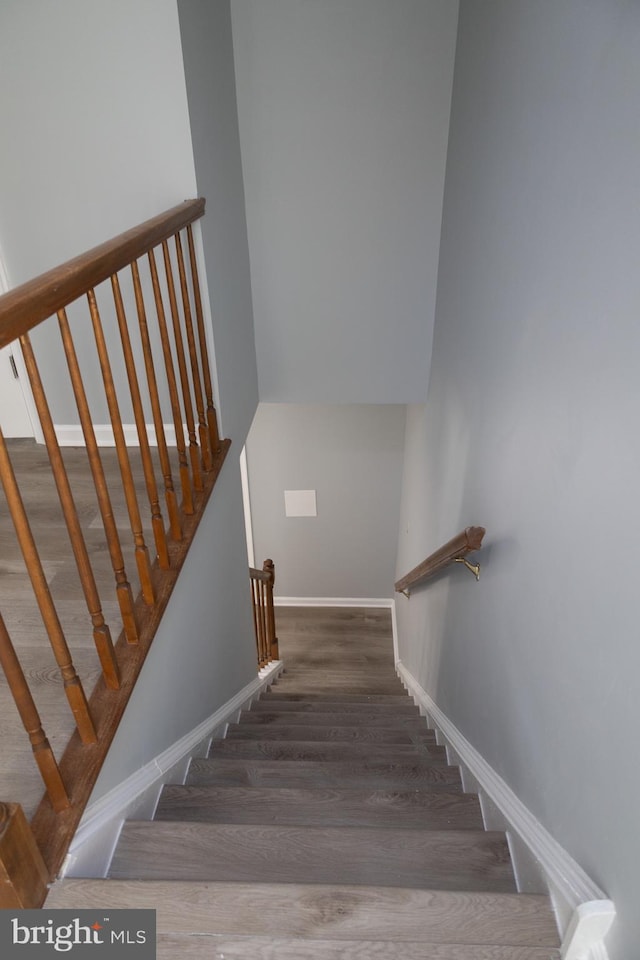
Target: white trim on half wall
95,840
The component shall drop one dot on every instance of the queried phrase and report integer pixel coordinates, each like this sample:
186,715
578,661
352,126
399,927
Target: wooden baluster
258,618
254,606
24,876
140,548
267,637
258,624
185,479
182,367
157,522
123,587
269,567
72,684
212,420
203,431
27,709
101,632
263,626
260,633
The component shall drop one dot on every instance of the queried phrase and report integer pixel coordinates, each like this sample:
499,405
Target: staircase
327,824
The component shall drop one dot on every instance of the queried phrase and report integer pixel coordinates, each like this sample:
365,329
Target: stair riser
308,628
358,774
197,947
276,694
319,682
365,661
356,734
325,750
266,705
336,719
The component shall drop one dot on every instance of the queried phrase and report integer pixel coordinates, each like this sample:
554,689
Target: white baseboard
95,840
584,913
394,628
334,601
71,435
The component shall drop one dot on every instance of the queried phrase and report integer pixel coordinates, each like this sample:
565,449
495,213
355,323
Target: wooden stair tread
274,694
369,718
321,807
374,652
351,687
349,646
325,750
266,704
340,670
335,912
319,681
444,859
356,733
374,773
302,621
299,634
324,675
350,660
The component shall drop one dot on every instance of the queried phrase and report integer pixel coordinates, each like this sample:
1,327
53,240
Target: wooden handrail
30,854
456,549
24,307
264,621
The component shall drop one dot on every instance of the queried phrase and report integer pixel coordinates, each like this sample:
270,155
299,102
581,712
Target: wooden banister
264,621
456,549
32,854
29,304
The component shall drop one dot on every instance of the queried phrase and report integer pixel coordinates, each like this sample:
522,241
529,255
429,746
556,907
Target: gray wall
343,110
531,425
208,62
95,138
204,651
352,457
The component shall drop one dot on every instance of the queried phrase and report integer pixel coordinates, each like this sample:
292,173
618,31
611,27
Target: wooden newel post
23,872
269,567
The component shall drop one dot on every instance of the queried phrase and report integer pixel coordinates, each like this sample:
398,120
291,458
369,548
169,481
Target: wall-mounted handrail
162,251
264,621
456,549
